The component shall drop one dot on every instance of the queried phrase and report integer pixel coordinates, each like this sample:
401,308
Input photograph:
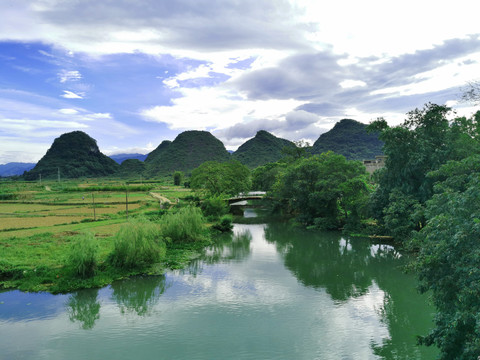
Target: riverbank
40,222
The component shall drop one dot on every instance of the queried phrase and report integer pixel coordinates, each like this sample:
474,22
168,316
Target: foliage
186,225
224,224
177,178
82,257
350,139
448,264
214,206
137,244
230,178
264,177
425,141
322,190
189,150
264,148
132,168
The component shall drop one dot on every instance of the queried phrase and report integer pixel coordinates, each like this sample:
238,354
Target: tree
322,190
230,178
448,264
426,140
472,92
177,178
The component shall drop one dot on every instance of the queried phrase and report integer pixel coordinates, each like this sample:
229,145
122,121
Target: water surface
265,292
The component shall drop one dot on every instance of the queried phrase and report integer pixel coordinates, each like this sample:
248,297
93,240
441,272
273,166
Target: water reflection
226,248
348,269
229,247
138,294
83,306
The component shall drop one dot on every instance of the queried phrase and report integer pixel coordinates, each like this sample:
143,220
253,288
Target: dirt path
161,198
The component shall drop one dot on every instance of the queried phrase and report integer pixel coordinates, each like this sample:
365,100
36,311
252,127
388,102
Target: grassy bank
41,223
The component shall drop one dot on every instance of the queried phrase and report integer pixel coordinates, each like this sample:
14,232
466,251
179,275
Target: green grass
54,257
185,225
137,245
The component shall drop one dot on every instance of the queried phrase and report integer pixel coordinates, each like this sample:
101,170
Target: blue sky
132,74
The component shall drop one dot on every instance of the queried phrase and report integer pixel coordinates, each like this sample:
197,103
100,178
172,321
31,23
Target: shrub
214,207
187,224
82,256
137,244
225,223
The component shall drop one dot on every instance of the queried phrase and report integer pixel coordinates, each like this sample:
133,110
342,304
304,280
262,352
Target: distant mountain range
120,158
15,168
76,154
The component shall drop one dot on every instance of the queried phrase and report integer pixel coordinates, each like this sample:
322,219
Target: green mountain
349,138
264,148
73,155
158,151
189,150
131,168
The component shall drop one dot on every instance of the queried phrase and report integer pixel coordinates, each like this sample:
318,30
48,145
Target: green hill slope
158,151
349,138
131,168
185,153
264,148
74,155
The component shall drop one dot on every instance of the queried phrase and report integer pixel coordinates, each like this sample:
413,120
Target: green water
265,292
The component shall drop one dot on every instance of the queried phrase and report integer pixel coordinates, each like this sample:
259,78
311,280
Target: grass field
38,221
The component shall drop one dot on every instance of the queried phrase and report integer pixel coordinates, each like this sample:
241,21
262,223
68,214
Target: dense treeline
428,197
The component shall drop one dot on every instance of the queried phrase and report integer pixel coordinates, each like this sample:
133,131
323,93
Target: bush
82,256
214,207
137,244
187,224
225,224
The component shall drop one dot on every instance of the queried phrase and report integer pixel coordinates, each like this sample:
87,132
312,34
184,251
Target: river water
265,292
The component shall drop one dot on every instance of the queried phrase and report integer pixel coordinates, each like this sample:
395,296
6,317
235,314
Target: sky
133,73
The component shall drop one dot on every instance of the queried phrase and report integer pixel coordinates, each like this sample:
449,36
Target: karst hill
73,155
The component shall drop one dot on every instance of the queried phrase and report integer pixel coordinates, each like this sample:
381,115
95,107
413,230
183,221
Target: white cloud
71,95
68,111
346,84
69,75
215,108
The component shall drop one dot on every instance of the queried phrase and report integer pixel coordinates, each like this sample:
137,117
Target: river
265,292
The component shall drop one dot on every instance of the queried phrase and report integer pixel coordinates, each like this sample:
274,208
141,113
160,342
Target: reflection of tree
324,260
138,294
347,268
229,248
226,247
83,306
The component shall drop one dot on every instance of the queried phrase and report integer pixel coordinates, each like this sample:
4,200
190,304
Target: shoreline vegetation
61,237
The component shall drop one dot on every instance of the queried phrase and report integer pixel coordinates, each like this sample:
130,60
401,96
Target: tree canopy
230,178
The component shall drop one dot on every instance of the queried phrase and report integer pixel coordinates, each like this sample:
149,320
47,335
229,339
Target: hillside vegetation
189,150
350,139
264,148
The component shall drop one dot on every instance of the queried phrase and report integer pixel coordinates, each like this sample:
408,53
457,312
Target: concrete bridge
252,195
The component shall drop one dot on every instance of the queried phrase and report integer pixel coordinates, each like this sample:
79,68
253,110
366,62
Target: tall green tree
322,190
426,140
230,178
448,264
